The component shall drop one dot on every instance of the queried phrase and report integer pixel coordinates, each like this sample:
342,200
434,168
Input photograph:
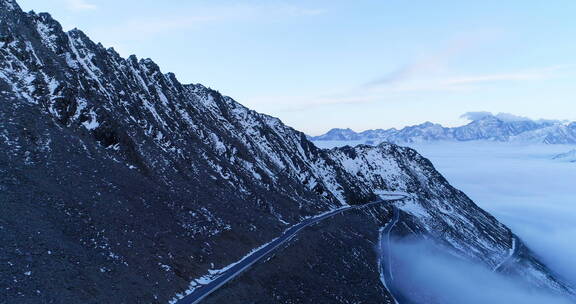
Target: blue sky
358,64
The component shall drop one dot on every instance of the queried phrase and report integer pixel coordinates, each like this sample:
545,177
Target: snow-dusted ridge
485,127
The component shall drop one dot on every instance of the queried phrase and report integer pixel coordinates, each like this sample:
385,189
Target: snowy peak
341,134
483,126
493,128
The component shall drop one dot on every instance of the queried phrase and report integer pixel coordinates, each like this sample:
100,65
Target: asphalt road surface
203,291
386,274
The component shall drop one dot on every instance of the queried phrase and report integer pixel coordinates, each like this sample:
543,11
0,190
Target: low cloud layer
430,276
501,116
504,117
524,187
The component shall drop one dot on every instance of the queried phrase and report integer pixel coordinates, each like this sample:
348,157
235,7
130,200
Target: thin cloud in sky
80,5
495,77
197,16
303,102
470,82
300,11
399,86
432,72
540,73
436,61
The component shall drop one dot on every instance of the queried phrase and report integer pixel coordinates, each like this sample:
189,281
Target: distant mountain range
500,128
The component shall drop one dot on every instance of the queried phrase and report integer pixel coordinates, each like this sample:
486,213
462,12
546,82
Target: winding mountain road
203,291
385,264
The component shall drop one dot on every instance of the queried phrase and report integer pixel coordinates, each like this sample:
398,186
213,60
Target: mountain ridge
498,128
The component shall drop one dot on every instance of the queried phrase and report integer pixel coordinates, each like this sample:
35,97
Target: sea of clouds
429,275
524,187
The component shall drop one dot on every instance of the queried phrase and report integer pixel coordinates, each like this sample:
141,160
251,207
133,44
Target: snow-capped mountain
569,156
487,127
340,134
119,184
552,134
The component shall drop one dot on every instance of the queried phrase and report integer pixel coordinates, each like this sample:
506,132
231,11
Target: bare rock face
119,184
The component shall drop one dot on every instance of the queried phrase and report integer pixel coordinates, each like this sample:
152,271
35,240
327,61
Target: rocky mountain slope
487,127
119,184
